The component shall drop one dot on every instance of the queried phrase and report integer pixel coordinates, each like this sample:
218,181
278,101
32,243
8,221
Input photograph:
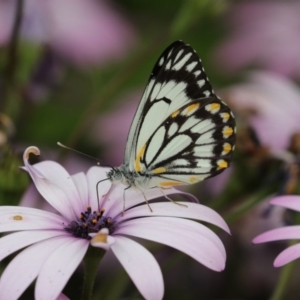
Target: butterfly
182,132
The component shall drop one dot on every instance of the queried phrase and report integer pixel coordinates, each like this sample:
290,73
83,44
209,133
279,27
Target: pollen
222,164
213,107
100,238
90,222
227,131
17,218
175,113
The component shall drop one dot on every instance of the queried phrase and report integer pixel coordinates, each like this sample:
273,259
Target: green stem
12,50
283,282
91,262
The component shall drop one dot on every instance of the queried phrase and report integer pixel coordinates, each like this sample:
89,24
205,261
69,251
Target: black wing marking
178,78
193,143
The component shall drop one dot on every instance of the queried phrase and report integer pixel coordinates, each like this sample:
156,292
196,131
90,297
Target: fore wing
178,78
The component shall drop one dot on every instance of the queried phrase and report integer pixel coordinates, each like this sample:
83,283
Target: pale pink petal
14,218
190,211
59,267
114,202
25,267
94,176
187,236
81,184
291,202
283,233
287,255
141,267
54,183
18,240
32,198
62,297
57,187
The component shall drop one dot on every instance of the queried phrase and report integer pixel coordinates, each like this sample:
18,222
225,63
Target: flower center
89,222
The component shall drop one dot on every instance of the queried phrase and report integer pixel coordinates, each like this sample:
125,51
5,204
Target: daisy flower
283,233
83,32
263,34
56,243
273,103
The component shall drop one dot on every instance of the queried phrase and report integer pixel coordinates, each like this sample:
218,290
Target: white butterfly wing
195,143
182,132
177,78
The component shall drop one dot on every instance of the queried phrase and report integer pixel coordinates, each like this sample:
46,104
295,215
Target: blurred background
74,71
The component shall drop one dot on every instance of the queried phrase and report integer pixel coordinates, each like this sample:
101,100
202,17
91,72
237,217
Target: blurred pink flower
283,233
263,33
57,243
85,32
274,103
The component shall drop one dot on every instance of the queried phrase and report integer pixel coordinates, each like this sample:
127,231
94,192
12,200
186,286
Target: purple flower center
89,222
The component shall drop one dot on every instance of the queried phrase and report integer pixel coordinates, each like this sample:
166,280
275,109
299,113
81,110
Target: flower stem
12,50
284,279
91,262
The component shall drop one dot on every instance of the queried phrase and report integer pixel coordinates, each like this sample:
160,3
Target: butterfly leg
175,202
124,200
147,201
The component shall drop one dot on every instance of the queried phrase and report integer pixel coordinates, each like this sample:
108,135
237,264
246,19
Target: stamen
90,222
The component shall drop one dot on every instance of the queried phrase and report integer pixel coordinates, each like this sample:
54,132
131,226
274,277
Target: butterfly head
115,175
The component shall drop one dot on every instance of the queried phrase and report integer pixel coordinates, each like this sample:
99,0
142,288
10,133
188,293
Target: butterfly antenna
66,147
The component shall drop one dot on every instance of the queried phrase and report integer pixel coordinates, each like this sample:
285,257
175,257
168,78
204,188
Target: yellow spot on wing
190,109
170,183
222,164
213,107
175,113
138,166
159,170
226,148
225,116
193,179
17,218
227,131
